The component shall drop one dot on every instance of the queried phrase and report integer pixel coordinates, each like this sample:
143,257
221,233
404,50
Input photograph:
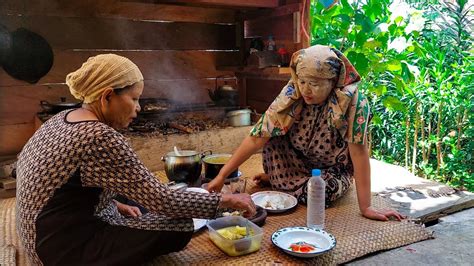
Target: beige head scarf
101,72
314,62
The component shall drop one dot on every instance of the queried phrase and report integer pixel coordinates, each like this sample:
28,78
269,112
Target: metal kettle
224,95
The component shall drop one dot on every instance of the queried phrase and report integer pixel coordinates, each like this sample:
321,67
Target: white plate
259,198
322,240
198,223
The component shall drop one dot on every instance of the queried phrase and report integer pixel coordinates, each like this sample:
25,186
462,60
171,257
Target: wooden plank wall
282,22
176,47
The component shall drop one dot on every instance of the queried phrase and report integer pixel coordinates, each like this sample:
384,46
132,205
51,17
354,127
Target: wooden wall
178,49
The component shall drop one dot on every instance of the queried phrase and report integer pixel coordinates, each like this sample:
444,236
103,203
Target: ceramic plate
198,223
274,201
321,240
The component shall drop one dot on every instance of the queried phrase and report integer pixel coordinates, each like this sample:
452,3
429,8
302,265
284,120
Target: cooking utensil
239,118
213,164
30,56
185,167
224,95
176,151
55,107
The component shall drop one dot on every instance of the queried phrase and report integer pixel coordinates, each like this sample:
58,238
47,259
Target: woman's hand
261,179
241,201
216,184
381,215
127,210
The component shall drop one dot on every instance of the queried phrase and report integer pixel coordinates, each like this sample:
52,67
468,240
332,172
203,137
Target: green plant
417,67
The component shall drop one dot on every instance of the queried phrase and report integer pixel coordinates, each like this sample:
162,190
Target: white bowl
320,239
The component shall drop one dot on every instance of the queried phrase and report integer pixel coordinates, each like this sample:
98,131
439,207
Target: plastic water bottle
271,43
316,200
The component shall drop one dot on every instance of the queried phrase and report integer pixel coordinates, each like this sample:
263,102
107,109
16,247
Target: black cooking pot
185,166
56,107
213,164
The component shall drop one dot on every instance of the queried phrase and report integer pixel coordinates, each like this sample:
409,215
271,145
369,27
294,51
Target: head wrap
101,72
314,62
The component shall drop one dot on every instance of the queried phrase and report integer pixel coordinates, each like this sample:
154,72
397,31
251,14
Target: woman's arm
249,146
360,160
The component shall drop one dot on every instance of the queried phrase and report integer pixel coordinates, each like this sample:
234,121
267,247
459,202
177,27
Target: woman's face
123,107
315,90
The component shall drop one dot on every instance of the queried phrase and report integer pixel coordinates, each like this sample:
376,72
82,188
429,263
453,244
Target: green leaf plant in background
416,60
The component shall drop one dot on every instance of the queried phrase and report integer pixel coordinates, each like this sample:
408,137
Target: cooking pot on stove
213,163
56,107
184,166
224,95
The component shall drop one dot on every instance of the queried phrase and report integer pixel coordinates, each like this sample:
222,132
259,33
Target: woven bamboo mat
356,236
11,252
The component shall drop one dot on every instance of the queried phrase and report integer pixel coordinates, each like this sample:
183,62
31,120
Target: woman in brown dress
74,166
319,120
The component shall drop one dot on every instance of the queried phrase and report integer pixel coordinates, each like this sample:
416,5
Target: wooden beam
121,34
145,11
227,3
115,9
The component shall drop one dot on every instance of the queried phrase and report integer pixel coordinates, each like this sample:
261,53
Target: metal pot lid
182,153
238,112
226,87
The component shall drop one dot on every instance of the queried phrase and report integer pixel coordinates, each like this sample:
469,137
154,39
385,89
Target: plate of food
274,201
198,223
303,242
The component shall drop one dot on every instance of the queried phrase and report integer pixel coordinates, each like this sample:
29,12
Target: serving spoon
176,151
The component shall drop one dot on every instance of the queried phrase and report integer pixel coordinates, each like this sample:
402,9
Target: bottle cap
315,172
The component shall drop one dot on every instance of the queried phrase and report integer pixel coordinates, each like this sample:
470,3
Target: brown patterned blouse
68,173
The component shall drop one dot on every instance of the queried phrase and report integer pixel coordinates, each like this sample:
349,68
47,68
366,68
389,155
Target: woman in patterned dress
319,120
74,166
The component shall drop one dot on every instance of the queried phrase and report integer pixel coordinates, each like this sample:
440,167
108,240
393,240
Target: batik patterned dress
312,143
304,137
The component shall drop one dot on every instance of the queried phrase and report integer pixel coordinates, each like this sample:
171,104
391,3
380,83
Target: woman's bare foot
262,179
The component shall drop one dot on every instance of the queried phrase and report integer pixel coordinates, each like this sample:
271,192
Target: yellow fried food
234,232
